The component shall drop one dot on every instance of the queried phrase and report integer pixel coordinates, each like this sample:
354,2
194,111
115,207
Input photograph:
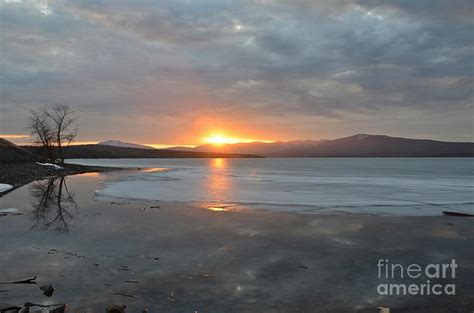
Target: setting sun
219,140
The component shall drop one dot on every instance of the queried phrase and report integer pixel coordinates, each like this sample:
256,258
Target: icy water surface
399,186
175,258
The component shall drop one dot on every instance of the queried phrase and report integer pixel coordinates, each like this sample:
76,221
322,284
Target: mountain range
361,145
97,151
118,143
257,147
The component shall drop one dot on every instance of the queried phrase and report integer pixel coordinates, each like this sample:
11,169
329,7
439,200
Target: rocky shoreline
19,174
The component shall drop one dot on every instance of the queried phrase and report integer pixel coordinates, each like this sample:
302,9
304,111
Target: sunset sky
176,72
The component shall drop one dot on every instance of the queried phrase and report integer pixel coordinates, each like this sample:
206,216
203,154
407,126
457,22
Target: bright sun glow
220,140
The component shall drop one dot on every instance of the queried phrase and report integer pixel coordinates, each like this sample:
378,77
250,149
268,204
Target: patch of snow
9,211
5,187
50,164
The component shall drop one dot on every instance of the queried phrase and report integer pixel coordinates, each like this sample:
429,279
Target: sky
173,72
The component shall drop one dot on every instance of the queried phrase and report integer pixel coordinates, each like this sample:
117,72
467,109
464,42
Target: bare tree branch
54,128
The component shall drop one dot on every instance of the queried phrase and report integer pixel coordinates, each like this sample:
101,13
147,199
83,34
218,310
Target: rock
383,310
112,308
47,290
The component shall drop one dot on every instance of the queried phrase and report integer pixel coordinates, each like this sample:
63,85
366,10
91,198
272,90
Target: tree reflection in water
53,204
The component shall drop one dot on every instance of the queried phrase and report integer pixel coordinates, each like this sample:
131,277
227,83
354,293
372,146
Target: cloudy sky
173,71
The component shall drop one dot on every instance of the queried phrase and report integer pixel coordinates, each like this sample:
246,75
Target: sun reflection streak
154,169
218,183
219,163
217,209
218,179
91,174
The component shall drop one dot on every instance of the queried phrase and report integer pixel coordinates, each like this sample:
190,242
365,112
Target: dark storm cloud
329,59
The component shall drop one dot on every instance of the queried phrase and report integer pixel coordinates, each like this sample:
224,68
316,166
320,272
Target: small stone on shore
47,290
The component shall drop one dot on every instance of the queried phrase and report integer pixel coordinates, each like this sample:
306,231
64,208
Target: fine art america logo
416,279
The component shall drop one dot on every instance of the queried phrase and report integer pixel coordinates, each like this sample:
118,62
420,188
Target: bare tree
42,131
54,128
64,127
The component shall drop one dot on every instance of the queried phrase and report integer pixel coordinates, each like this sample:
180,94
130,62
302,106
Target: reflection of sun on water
218,179
218,182
219,163
93,174
217,209
222,208
154,169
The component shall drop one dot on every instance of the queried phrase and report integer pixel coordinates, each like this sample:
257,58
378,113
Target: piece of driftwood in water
60,307
26,281
452,213
31,304
126,295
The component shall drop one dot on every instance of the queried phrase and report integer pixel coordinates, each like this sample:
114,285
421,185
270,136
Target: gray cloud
182,60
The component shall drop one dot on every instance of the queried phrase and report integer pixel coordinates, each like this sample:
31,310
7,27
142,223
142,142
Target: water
178,258
399,186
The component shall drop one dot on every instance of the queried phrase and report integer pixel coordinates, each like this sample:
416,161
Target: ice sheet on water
9,211
5,187
299,185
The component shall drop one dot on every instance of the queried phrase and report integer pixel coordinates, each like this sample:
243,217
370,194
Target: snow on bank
49,164
5,187
9,211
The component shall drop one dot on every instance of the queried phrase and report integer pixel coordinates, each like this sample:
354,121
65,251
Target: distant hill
257,147
361,145
111,152
118,143
11,153
364,145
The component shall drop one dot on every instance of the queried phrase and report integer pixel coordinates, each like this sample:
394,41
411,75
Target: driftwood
61,308
30,304
26,281
126,295
452,213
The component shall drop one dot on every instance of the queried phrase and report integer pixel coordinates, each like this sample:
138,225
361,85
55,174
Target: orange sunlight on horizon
14,136
219,139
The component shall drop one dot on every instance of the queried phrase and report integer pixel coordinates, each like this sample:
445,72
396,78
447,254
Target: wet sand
182,258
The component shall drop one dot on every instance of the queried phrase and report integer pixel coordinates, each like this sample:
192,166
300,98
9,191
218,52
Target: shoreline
19,173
